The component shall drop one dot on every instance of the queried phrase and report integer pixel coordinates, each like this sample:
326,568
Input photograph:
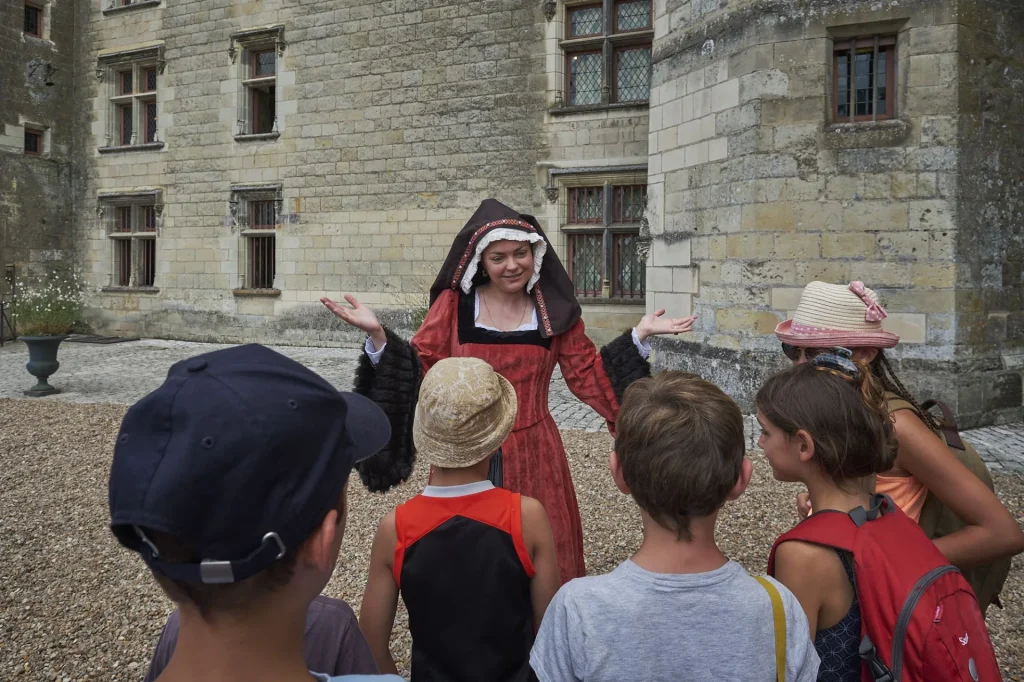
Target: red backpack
920,621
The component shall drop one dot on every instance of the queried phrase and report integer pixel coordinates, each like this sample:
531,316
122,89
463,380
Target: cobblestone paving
124,372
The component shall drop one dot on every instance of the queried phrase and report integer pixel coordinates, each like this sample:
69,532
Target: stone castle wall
759,192
38,78
395,120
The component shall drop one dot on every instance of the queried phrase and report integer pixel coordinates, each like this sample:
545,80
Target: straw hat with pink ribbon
836,315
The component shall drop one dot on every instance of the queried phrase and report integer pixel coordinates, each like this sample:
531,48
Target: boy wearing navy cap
230,481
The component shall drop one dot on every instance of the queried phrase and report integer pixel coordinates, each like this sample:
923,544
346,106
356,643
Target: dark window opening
261,262
147,261
122,262
33,21
33,142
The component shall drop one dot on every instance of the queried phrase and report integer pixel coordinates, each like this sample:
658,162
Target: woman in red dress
503,296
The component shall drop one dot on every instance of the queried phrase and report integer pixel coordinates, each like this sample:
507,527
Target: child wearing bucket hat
930,481
474,564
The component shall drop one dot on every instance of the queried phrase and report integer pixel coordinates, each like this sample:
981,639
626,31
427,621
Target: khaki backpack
937,520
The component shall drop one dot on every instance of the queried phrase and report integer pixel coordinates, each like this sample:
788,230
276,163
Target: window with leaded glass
602,224
132,228
133,104
864,79
608,52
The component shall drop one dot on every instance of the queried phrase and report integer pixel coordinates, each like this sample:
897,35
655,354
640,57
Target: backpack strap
834,529
779,617
948,424
827,528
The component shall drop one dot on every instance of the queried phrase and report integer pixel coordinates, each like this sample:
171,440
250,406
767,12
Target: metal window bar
147,262
148,219
122,262
122,219
261,261
262,215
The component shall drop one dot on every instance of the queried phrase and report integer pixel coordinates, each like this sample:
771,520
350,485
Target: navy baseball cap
240,454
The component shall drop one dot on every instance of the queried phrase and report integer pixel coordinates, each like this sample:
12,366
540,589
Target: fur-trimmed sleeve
393,384
623,363
599,378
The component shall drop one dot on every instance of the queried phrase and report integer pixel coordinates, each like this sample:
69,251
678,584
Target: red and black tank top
464,574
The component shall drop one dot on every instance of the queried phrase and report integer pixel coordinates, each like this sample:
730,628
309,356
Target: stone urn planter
42,362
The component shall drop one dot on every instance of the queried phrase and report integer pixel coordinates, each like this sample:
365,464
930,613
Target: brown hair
680,442
220,598
884,372
845,415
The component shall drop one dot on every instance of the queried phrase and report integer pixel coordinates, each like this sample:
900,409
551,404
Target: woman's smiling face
509,264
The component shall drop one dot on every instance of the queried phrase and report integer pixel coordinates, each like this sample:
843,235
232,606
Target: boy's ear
746,471
320,549
615,466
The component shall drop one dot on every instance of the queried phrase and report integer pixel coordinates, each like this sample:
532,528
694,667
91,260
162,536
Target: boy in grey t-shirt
678,609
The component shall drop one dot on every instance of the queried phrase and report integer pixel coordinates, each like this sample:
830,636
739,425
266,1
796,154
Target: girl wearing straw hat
932,485
503,296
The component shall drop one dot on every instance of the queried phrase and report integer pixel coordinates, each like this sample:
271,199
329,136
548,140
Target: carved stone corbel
549,9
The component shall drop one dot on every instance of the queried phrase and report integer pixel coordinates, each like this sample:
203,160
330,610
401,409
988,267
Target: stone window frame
243,196
118,6
609,43
142,242
881,43
560,183
110,68
244,44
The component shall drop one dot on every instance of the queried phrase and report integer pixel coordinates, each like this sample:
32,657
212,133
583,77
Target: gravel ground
74,606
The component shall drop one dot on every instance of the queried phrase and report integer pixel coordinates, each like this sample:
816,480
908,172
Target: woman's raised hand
654,324
359,316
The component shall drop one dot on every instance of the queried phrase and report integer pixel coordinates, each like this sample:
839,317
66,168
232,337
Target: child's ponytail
841,404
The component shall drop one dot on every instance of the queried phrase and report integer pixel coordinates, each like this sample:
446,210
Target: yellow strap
779,616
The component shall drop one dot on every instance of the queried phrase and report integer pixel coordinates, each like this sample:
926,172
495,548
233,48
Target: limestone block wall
394,120
756,191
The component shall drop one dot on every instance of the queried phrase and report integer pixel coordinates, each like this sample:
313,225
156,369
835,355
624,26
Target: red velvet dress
533,457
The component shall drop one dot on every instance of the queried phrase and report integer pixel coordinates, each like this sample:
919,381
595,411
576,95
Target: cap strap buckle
214,572
220,572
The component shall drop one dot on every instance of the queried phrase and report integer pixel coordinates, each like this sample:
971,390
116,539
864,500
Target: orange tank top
906,491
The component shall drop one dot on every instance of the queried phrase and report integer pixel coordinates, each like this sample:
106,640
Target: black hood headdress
557,307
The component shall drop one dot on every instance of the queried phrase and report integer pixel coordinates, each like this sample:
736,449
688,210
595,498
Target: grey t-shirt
632,624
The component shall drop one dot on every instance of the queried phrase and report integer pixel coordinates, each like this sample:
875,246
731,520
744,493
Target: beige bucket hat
837,315
464,413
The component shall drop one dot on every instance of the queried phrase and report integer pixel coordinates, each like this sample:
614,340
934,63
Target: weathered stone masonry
392,120
755,190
